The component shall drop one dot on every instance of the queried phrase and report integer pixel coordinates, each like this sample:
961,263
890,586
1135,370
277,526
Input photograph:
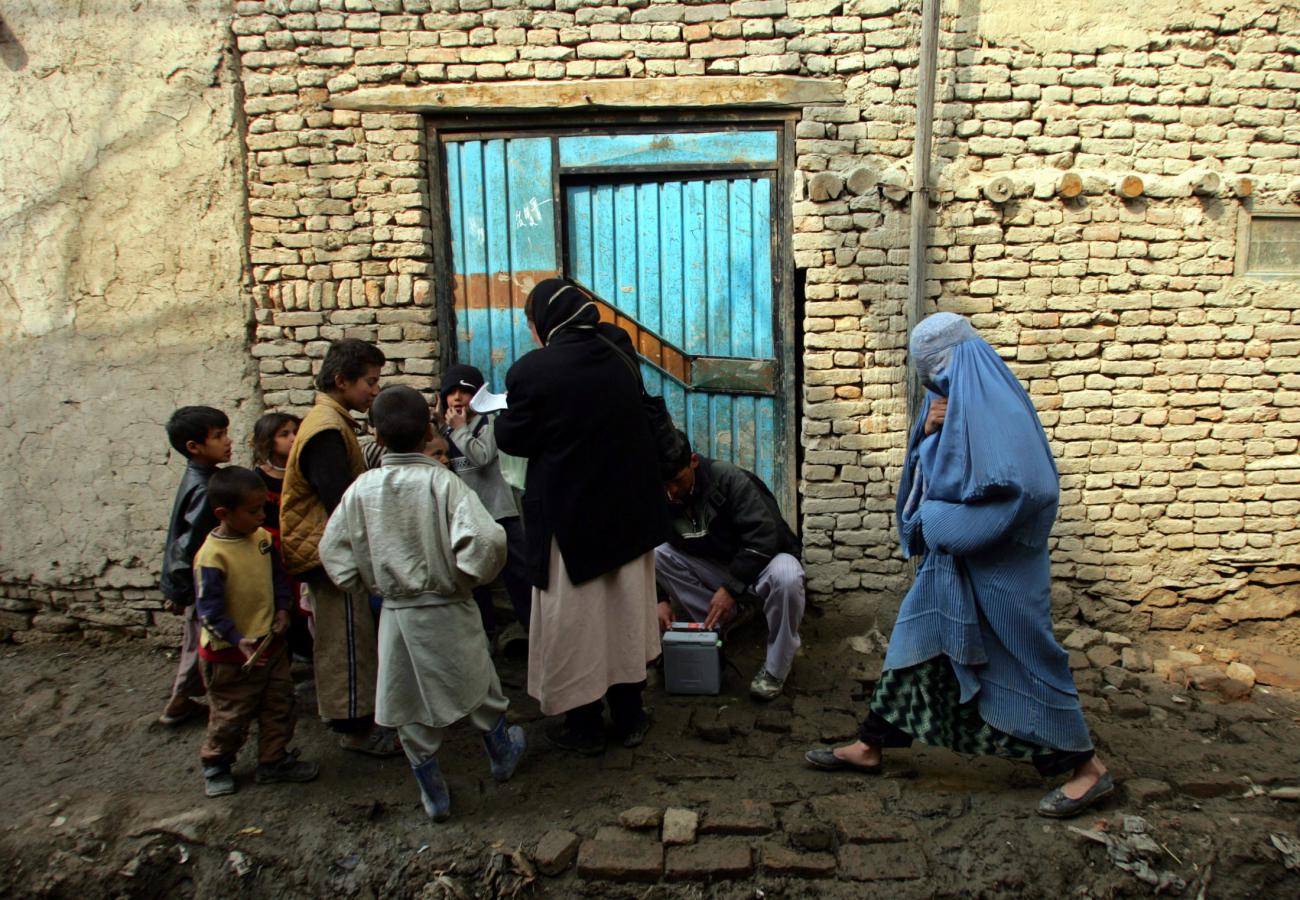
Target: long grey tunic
415,534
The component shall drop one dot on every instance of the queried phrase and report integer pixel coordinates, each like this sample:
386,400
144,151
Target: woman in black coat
594,510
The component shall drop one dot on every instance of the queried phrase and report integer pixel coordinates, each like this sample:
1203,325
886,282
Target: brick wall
1169,387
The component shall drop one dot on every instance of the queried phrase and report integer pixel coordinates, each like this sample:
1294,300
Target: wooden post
999,190
1070,186
860,180
1131,187
895,183
1205,183
917,244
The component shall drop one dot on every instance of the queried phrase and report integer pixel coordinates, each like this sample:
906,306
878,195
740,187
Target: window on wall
1268,244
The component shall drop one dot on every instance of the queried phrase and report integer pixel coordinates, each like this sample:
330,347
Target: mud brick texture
1167,382
1166,374
621,860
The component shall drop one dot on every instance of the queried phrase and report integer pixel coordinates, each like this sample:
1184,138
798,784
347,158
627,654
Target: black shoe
1058,806
636,736
827,761
290,768
566,738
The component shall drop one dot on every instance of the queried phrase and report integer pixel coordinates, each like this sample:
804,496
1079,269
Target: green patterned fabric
924,701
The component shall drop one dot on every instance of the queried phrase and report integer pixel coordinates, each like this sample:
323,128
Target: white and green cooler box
692,659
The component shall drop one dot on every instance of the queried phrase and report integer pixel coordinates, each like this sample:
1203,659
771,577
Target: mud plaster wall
122,247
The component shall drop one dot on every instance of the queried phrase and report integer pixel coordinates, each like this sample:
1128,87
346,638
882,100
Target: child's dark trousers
237,699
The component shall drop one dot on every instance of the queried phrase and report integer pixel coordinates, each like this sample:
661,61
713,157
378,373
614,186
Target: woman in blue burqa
972,663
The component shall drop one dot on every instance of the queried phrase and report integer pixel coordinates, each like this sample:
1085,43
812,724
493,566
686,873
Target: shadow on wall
12,52
73,517
84,271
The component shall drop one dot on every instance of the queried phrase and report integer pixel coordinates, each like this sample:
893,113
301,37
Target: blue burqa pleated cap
991,446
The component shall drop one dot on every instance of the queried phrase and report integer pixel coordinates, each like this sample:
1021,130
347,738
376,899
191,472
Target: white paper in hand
487,402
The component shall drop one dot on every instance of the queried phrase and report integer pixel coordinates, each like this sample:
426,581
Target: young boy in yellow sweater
243,602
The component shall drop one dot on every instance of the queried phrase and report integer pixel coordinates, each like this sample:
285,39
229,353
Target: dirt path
99,801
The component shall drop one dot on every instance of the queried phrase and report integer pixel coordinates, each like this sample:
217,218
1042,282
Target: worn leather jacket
190,523
732,518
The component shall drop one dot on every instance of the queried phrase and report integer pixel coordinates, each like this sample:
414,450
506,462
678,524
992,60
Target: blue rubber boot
433,789
505,747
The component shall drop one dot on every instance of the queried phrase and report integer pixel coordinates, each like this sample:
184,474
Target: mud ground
100,801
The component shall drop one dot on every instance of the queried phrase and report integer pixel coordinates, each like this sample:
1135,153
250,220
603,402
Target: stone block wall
1167,385
341,244
339,200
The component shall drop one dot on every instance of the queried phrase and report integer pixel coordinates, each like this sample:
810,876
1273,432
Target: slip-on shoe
827,761
1058,806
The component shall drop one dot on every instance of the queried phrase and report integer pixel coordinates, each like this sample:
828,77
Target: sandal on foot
827,761
1058,806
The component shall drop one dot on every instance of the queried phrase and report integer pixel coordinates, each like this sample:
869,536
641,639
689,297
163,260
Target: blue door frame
681,230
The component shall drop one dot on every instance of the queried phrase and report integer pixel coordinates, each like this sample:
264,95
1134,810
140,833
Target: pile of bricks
842,836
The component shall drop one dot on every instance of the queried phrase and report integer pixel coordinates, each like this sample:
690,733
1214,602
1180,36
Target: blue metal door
502,220
675,232
690,261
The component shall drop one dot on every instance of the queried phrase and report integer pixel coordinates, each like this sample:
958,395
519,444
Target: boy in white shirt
415,534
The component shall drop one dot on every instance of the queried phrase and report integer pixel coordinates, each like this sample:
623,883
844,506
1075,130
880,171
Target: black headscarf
559,303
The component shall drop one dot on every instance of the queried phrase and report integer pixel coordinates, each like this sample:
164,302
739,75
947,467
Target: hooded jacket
733,519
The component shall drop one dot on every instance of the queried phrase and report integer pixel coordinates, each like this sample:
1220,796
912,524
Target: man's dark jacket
593,478
190,523
733,519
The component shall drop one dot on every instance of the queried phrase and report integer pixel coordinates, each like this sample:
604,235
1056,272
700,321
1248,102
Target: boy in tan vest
325,459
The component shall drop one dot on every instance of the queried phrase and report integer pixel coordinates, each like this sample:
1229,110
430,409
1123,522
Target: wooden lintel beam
685,92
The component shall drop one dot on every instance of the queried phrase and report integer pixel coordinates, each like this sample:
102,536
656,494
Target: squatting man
730,545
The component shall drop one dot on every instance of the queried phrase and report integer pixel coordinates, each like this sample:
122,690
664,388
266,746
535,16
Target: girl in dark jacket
594,510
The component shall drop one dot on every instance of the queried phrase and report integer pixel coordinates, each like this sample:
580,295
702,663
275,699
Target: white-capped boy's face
214,450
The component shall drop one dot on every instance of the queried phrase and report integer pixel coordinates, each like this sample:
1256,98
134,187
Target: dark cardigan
593,481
